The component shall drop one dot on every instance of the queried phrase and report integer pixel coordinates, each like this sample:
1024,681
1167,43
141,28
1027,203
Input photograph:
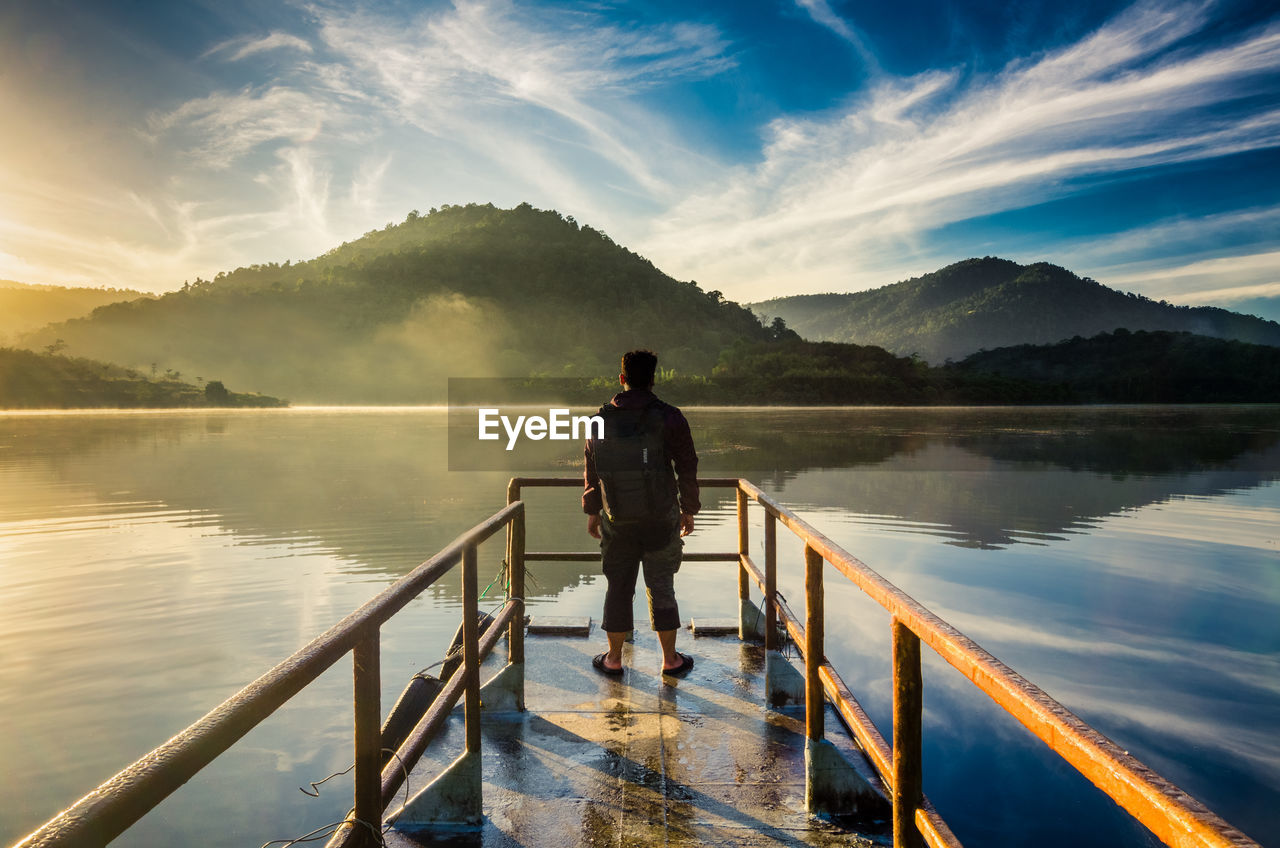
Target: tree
779,331
216,393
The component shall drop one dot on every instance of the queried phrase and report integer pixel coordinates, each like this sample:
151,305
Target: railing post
814,696
770,581
471,647
368,732
744,547
907,706
515,574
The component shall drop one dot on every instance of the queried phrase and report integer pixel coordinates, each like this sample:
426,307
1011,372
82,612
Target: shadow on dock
642,759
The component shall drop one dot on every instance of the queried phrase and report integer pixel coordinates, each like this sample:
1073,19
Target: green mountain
465,291
25,307
989,303
30,380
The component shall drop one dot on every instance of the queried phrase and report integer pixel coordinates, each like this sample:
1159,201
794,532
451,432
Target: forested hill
1125,367
25,307
30,380
468,291
988,303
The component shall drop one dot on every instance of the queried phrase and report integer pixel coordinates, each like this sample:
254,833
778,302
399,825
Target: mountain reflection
372,486
994,477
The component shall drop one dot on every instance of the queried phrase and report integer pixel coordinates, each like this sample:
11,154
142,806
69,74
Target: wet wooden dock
642,759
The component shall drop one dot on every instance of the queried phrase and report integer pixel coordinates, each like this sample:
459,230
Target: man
640,509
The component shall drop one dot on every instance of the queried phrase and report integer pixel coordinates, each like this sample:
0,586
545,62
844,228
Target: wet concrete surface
642,759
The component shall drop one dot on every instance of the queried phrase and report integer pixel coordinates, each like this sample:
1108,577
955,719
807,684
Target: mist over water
1124,559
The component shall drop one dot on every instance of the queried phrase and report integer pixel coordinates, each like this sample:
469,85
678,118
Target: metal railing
1172,815
109,810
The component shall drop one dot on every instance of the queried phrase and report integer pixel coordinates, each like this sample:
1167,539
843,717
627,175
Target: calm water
1124,559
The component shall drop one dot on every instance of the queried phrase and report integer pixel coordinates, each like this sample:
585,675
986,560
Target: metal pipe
907,705
794,627
744,546
471,646
770,580
570,482
859,723
515,565
408,709
934,830
368,731
109,810
814,698
394,772
791,621
1171,814
594,556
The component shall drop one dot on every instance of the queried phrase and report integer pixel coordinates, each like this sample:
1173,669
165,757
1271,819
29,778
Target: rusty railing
109,810
1172,815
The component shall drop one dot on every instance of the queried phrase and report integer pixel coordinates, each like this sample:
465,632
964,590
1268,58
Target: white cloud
1234,294
1174,714
1202,281
17,268
822,13
221,128
367,185
495,101
308,191
860,189
1217,258
239,48
542,90
483,101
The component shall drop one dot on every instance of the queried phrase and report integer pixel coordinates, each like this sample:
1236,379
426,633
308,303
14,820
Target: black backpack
631,460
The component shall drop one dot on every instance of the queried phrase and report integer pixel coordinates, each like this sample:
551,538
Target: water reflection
153,563
372,487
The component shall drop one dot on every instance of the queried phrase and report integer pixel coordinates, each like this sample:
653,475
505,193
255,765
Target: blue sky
760,148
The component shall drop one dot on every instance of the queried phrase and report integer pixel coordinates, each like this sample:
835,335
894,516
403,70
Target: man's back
629,472
640,493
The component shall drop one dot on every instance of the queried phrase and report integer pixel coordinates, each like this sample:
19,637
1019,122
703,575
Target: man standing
640,509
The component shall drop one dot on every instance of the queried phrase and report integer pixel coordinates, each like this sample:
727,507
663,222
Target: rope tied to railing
326,831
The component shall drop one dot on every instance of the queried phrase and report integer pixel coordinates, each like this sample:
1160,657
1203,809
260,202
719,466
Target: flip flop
597,662
686,664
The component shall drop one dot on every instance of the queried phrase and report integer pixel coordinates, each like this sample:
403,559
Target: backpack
631,460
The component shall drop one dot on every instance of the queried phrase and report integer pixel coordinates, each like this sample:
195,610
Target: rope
326,831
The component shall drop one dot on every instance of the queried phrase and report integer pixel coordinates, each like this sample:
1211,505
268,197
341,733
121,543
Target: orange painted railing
1172,815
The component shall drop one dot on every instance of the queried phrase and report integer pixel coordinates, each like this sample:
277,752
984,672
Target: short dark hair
638,367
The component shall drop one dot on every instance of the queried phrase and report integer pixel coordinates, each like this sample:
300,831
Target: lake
1125,559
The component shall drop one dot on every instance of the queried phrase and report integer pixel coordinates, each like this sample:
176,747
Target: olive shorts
623,547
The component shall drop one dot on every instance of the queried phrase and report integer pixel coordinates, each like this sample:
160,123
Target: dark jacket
676,439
